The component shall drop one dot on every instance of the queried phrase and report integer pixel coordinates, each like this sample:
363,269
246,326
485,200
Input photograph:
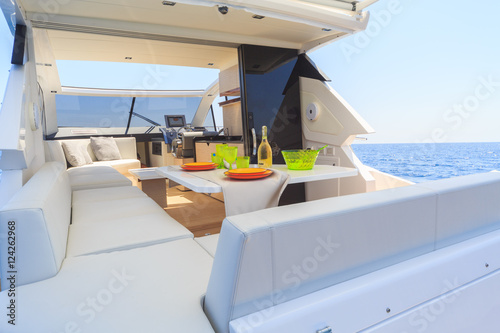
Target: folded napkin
243,196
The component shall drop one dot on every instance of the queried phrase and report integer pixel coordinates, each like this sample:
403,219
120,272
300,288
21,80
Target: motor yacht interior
99,234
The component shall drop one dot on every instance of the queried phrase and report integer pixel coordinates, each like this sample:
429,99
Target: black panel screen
265,72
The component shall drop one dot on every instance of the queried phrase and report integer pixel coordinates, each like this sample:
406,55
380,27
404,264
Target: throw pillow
76,153
105,148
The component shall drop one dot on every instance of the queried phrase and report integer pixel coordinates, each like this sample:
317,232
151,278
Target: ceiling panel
204,18
92,47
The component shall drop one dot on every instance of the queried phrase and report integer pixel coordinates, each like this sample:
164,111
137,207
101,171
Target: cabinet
229,86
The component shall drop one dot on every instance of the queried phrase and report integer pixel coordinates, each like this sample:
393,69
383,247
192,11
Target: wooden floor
198,212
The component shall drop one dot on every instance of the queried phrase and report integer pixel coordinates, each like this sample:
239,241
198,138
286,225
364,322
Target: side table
152,183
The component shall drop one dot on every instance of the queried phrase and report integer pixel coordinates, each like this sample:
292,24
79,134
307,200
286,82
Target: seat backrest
34,226
468,206
271,256
54,150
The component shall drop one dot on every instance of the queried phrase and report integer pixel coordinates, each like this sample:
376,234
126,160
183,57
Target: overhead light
326,29
210,64
128,58
223,9
168,3
258,17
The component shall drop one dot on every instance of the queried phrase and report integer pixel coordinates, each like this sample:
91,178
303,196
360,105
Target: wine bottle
264,154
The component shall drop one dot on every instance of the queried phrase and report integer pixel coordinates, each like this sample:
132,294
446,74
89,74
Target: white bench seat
99,212
96,177
126,146
118,218
115,193
152,289
209,243
124,233
122,166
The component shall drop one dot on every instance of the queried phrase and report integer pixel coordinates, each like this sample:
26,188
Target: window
109,112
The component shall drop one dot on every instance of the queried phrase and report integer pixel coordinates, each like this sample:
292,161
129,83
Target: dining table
243,196
201,185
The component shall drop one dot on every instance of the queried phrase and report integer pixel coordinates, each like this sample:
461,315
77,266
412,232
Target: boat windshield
107,95
109,112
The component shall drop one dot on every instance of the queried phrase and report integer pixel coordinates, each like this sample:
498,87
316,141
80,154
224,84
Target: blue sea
423,162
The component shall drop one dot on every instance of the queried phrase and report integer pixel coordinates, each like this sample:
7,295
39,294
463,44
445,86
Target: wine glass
230,154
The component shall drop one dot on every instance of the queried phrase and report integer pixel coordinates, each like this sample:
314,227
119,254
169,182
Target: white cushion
468,206
127,147
122,165
98,181
153,289
275,255
41,210
118,218
105,148
103,194
124,233
99,212
209,243
95,169
96,177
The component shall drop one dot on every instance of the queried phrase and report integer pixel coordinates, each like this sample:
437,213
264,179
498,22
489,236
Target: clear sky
414,74
424,71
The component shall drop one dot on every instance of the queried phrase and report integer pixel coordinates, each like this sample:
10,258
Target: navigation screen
175,121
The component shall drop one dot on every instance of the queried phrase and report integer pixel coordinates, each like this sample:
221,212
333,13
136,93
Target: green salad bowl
300,159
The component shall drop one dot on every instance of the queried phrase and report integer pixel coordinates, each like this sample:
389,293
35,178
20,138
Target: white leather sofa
295,268
126,146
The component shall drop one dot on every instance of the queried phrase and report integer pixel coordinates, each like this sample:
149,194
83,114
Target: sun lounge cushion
209,243
96,177
109,193
153,289
122,165
119,218
124,233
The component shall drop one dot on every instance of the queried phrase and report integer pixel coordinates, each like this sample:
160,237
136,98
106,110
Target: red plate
247,171
198,164
249,176
200,168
